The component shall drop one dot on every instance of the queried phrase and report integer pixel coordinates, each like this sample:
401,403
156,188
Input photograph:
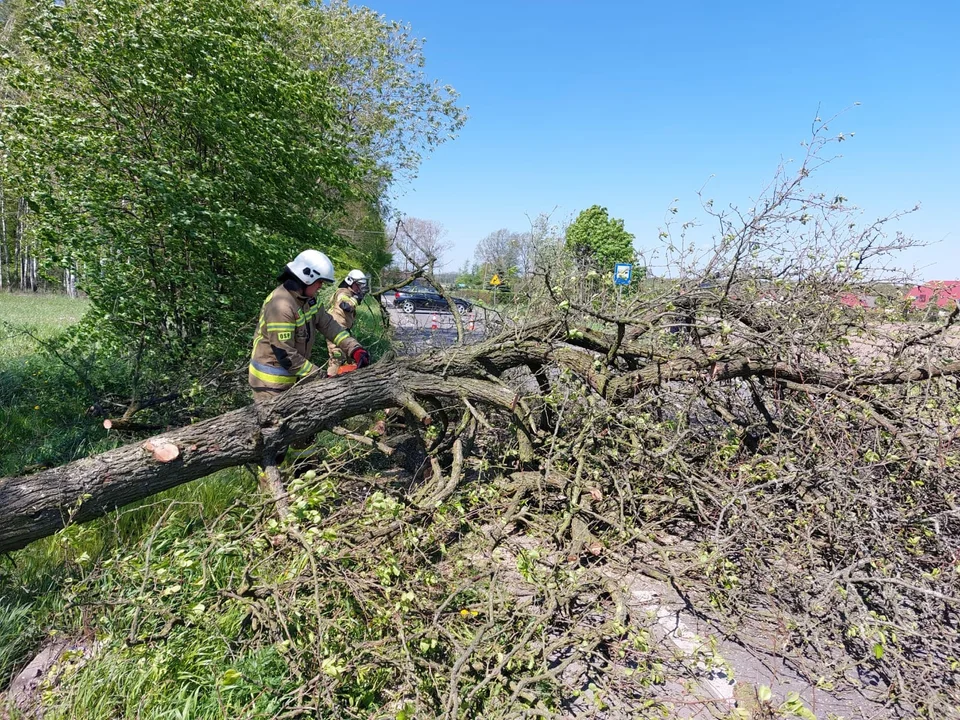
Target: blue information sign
622,272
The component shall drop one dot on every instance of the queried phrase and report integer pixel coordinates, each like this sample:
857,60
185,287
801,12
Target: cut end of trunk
162,450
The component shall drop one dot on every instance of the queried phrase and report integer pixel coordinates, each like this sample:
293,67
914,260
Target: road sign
622,272
495,280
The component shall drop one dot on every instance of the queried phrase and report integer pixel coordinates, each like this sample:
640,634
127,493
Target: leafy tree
178,156
391,111
499,252
541,245
362,225
175,154
469,275
597,239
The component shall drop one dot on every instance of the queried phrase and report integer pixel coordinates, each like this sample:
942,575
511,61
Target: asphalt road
423,330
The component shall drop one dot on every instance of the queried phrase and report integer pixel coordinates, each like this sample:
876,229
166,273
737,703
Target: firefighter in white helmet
343,309
290,320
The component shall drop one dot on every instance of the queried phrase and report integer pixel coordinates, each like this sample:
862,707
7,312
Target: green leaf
231,677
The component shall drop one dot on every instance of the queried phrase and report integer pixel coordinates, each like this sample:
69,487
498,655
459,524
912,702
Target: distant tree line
592,242
26,265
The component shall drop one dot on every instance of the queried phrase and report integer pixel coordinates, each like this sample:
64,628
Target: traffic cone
434,322
470,322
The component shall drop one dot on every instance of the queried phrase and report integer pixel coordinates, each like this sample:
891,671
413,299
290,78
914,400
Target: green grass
44,587
43,401
185,555
44,421
44,316
19,635
50,311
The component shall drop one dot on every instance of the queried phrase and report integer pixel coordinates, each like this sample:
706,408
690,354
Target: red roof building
855,301
942,292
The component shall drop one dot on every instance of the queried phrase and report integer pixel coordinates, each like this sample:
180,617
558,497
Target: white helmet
310,266
356,276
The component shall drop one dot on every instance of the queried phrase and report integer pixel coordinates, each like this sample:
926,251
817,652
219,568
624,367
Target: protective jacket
343,309
288,327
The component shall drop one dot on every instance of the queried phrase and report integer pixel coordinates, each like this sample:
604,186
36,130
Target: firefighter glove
361,357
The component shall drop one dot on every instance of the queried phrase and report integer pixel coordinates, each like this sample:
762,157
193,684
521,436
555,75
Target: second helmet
356,276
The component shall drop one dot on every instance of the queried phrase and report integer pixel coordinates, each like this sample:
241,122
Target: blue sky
632,104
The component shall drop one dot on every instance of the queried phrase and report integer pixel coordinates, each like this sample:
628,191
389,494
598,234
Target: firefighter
289,322
343,309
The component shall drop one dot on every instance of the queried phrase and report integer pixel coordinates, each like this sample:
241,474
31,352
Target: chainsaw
344,369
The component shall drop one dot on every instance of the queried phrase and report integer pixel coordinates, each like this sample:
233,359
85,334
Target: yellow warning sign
495,280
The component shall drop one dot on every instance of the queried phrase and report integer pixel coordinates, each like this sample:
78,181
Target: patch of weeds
18,635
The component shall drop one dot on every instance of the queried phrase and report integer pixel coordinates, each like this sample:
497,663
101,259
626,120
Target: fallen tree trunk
39,505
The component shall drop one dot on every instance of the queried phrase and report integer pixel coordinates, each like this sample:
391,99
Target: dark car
420,297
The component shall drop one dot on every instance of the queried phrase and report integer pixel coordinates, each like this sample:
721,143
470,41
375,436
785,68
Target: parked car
420,297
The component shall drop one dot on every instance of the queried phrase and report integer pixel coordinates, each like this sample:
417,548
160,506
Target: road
425,330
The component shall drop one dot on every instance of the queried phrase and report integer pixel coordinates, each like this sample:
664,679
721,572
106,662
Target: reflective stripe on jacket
288,327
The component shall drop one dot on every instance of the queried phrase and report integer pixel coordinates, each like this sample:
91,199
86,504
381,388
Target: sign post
496,282
622,274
